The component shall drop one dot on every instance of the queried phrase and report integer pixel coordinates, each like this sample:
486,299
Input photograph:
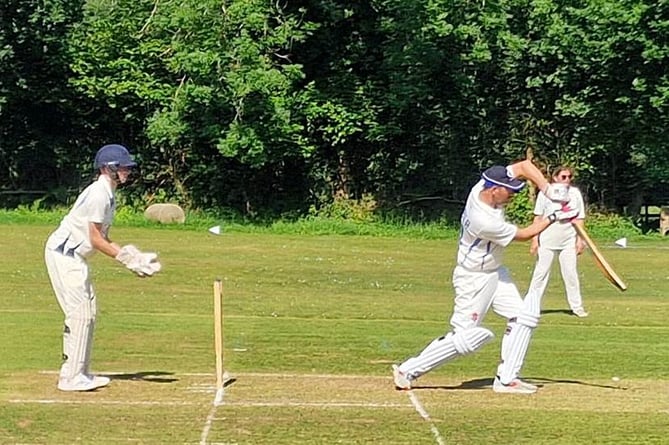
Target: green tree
211,83
40,125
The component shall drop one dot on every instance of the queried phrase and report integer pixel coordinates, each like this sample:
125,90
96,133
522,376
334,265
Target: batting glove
564,215
557,192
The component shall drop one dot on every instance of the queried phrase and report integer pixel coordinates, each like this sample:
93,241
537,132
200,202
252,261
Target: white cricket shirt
559,235
483,235
95,204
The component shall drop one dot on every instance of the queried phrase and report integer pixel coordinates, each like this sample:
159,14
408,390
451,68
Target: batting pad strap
527,319
469,340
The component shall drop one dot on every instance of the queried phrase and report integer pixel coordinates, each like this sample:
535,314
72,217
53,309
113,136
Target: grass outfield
311,326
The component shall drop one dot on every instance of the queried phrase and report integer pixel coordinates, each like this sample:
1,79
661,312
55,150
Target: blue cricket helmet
113,155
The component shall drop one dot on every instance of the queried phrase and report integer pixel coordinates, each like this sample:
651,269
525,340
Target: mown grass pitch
311,326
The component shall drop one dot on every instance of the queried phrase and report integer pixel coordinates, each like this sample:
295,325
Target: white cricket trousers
475,294
69,277
567,258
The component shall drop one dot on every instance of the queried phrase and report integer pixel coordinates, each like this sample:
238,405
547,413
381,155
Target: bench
664,221
654,217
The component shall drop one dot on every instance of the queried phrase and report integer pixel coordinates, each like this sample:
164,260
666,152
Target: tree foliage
276,107
37,109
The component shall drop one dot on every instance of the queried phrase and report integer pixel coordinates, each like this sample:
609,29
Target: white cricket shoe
83,382
516,386
580,312
402,381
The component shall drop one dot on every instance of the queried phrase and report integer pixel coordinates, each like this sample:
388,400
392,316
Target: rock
165,213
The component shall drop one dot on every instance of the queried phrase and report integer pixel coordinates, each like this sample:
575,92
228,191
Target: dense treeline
275,107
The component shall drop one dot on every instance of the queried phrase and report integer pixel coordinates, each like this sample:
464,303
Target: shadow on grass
146,376
486,383
539,381
469,384
557,311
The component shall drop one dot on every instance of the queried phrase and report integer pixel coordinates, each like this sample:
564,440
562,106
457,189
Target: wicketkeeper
82,232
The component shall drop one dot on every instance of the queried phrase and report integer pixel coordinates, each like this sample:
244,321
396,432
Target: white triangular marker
216,230
622,242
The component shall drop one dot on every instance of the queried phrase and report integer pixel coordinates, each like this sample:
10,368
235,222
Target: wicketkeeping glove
143,264
150,263
557,192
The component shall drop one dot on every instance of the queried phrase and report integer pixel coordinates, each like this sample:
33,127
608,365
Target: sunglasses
565,177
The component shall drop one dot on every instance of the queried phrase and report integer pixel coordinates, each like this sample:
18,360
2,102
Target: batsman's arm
538,225
527,170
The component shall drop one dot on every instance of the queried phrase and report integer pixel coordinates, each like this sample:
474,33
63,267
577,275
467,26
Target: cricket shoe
580,312
516,386
402,381
82,382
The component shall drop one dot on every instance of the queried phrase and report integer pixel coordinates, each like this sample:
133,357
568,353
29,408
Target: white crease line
102,402
241,404
237,374
309,376
319,404
218,401
424,414
230,316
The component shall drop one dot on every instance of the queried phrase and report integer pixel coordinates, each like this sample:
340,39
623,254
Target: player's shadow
541,381
557,311
469,384
146,376
486,383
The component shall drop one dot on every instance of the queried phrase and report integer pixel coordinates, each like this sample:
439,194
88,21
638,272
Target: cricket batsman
481,282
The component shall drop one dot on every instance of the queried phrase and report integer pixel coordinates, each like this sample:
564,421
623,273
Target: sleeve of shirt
96,205
499,233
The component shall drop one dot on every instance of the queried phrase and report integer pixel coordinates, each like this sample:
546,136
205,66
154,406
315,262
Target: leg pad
469,340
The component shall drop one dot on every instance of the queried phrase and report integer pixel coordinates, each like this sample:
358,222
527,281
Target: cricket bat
601,262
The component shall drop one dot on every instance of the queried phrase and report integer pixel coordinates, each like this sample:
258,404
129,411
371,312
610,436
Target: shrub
344,208
602,224
520,209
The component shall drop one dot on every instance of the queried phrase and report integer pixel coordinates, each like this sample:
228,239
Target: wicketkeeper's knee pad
528,319
469,340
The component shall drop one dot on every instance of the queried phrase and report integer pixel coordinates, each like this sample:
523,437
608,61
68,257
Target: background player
560,240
